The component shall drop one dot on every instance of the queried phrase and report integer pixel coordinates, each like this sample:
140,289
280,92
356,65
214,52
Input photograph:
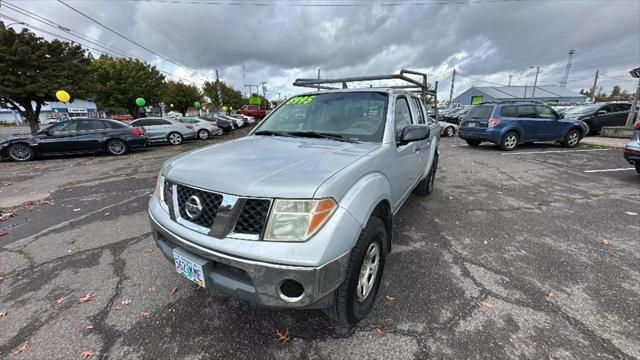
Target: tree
182,96
119,82
33,69
230,96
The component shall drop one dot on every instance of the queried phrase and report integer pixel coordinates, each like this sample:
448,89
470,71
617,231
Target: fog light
291,290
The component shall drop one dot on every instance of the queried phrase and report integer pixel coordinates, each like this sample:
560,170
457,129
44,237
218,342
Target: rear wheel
638,166
174,138
473,143
425,186
203,134
20,152
509,141
355,297
571,139
220,131
116,147
449,132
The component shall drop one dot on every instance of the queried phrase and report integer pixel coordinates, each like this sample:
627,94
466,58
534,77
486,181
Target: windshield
355,115
584,109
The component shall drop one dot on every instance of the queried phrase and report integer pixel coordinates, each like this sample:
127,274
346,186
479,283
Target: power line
117,33
350,4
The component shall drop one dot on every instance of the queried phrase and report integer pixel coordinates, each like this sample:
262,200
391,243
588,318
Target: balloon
197,104
140,102
225,108
63,96
171,105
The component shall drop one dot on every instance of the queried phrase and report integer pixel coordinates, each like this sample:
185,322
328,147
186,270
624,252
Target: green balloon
140,102
197,104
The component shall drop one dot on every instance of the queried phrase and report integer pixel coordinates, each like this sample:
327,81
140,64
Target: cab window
418,107
402,115
62,127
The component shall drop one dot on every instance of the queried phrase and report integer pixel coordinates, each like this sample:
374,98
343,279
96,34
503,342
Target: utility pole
453,80
244,80
318,79
593,88
219,91
631,119
535,82
510,76
565,78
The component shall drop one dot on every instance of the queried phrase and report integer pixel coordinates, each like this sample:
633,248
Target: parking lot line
553,151
607,170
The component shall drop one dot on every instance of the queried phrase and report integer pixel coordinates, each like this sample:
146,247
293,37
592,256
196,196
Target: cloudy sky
486,41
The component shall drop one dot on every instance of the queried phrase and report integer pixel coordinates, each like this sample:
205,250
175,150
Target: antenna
565,78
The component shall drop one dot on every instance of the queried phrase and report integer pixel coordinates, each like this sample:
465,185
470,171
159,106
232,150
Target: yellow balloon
63,96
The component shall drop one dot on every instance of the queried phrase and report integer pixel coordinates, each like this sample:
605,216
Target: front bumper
257,281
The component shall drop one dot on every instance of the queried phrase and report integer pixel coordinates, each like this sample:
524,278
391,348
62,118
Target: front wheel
587,131
571,139
220,132
356,295
20,152
174,138
449,132
116,147
509,141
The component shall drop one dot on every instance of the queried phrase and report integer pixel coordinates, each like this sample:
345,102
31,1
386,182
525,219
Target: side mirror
412,133
560,116
602,112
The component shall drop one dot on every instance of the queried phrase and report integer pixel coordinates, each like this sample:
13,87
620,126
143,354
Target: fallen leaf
524,252
77,209
152,289
106,214
88,353
487,305
144,313
3,313
117,307
90,327
390,298
87,298
70,251
282,336
551,295
4,216
60,300
126,302
605,241
173,291
3,232
24,347
632,213
380,331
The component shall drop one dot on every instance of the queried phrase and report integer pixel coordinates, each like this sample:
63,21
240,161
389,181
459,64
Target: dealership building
549,94
54,111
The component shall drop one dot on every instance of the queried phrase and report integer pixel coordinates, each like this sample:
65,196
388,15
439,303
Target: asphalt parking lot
527,254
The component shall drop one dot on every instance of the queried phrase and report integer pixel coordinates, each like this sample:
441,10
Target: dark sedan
226,125
595,116
74,137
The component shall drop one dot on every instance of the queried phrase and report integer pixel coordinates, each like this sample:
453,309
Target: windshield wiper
322,135
273,133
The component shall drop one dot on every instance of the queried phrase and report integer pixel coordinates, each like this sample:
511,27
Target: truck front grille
210,203
253,217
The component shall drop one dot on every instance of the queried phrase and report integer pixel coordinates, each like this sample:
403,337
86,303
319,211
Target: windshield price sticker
301,100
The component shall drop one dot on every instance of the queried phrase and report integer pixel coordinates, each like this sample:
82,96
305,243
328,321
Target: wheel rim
449,132
220,132
203,134
510,141
368,271
20,152
175,139
573,138
116,147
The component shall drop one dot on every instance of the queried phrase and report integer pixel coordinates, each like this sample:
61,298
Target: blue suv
510,124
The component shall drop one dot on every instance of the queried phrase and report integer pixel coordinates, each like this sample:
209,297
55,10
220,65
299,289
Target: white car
203,128
447,129
236,121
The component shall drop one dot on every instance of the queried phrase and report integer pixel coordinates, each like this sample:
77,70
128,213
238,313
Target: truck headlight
298,220
159,193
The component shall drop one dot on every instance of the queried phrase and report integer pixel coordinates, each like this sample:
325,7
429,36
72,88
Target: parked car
204,129
632,149
310,220
124,118
253,110
224,124
246,120
237,122
166,130
510,124
454,116
74,137
447,129
595,116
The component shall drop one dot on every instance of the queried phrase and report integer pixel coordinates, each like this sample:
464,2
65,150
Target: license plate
471,124
189,269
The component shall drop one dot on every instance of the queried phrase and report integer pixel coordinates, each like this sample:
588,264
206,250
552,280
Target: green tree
615,93
182,96
119,82
33,69
230,96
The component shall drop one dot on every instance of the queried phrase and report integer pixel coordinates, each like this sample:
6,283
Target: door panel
90,134
550,127
61,137
528,122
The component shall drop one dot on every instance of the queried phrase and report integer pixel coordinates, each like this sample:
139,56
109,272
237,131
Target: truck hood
265,166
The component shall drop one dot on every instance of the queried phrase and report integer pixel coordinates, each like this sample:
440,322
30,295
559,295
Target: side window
607,108
163,122
419,110
63,127
113,125
509,111
402,115
544,112
90,125
526,111
621,107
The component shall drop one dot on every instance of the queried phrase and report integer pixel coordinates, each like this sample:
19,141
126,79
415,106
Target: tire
117,147
203,134
220,132
174,138
425,186
449,131
20,152
509,141
350,306
572,138
474,143
637,163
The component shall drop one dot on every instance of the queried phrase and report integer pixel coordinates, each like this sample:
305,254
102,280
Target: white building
54,111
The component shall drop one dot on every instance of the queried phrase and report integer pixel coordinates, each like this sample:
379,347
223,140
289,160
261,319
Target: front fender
365,195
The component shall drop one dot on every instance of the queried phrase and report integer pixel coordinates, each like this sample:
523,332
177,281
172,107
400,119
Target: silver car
165,130
299,213
204,129
448,129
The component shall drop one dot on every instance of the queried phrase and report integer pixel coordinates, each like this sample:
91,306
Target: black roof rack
421,86
512,102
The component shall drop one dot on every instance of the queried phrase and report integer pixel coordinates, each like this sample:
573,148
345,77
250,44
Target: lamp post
535,82
631,119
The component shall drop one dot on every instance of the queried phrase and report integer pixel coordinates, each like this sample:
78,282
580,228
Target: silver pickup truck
299,213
